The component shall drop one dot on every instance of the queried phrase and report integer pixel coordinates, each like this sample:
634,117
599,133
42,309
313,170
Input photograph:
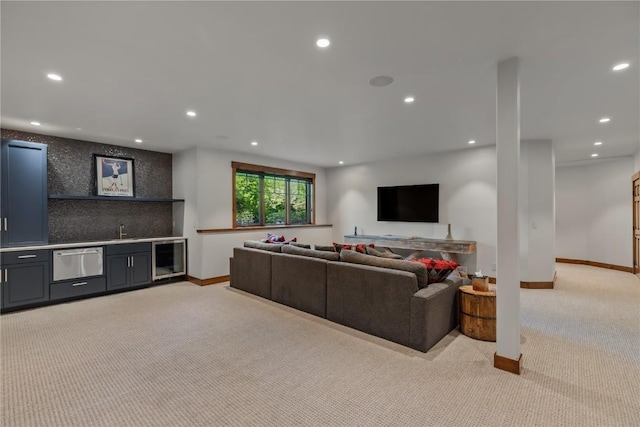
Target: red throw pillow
360,247
437,269
340,246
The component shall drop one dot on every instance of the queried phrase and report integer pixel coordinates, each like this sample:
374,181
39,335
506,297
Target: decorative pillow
274,238
359,247
437,269
327,248
293,250
382,254
395,264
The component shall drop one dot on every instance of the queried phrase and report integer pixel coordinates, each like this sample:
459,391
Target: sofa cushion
327,248
300,245
382,254
416,268
437,269
264,246
294,250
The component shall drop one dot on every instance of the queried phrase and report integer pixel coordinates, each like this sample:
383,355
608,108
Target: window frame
267,170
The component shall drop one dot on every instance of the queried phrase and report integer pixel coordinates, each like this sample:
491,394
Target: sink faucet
121,231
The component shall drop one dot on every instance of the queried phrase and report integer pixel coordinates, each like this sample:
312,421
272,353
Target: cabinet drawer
128,248
74,288
20,257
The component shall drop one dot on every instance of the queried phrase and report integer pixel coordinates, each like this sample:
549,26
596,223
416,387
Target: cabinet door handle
79,284
5,276
26,256
5,224
132,261
128,261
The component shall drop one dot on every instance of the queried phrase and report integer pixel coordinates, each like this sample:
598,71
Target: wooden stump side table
478,314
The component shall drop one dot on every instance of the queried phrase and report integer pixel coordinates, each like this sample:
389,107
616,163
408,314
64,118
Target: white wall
467,181
185,186
537,211
636,161
593,211
203,177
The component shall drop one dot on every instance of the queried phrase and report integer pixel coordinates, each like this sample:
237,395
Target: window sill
259,228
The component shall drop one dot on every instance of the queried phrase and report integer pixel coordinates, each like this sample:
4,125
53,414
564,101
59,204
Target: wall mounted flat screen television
409,203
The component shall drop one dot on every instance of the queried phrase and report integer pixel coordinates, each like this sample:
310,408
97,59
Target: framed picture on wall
114,176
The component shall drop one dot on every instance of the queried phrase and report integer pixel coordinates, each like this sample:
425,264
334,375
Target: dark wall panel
70,171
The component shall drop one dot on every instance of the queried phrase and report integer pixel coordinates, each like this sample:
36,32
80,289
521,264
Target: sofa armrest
371,299
251,271
434,313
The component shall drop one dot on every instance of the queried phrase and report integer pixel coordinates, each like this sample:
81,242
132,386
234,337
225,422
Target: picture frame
114,176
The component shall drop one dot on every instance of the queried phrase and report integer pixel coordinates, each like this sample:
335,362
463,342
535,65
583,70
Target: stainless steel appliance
75,263
169,258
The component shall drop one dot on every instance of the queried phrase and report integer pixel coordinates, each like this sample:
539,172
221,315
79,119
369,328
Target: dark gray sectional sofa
346,289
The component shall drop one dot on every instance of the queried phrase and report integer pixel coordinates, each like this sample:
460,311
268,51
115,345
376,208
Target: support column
507,356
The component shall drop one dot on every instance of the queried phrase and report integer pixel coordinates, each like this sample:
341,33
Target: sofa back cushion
383,254
326,248
416,268
294,250
264,246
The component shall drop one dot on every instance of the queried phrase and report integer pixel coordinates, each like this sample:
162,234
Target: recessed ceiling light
254,143
472,141
139,141
594,155
55,77
323,42
621,66
381,81
605,120
35,123
191,113
409,99
341,162
78,128
597,143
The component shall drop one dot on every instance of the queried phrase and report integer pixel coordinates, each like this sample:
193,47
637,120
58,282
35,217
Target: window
270,196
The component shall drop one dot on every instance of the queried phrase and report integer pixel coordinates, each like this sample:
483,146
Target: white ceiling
252,71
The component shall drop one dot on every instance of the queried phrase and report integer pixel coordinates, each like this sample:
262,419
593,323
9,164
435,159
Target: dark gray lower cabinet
128,265
77,287
25,278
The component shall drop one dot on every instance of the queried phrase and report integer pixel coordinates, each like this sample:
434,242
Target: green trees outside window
270,199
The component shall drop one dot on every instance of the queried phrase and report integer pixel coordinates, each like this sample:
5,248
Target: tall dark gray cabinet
23,205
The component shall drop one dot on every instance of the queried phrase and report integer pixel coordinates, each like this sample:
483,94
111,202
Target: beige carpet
183,355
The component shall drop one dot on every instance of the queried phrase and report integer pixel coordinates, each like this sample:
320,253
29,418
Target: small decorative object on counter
479,282
355,232
449,236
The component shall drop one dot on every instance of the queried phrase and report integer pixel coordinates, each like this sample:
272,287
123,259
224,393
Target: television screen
409,203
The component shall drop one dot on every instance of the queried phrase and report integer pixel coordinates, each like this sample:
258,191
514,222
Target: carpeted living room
184,355
268,213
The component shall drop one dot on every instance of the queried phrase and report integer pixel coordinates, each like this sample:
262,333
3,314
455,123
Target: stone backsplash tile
70,172
86,220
